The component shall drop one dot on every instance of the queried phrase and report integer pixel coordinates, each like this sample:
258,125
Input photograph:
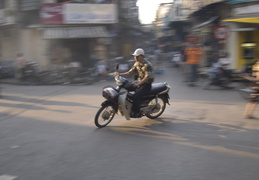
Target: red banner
51,13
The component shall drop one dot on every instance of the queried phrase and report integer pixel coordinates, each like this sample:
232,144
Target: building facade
243,42
58,31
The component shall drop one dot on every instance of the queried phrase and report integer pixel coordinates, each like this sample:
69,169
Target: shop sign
90,14
51,13
221,32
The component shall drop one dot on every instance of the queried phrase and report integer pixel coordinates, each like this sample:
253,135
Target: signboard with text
71,13
90,14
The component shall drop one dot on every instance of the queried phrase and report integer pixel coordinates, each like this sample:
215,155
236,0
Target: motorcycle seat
157,88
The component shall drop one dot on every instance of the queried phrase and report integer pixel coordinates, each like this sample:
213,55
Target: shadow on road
221,138
38,100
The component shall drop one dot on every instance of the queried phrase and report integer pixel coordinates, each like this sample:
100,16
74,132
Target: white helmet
138,52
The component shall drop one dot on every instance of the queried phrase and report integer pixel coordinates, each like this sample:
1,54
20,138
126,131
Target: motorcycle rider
144,71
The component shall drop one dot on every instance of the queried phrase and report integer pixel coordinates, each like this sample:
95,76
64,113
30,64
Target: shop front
82,44
244,41
78,32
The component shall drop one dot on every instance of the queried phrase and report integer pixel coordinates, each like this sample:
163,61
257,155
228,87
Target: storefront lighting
248,45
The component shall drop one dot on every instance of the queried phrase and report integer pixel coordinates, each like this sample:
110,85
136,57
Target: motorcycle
217,76
119,101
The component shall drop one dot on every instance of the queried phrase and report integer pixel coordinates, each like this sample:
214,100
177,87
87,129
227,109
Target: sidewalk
12,81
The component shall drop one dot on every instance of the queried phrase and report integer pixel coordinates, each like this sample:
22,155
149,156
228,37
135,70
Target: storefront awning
254,20
75,32
205,23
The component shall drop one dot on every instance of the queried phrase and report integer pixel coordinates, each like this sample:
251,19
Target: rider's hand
116,73
136,84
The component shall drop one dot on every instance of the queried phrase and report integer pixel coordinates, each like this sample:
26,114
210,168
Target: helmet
138,52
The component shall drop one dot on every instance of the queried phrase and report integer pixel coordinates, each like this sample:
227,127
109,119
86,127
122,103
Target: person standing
20,64
193,54
144,71
254,97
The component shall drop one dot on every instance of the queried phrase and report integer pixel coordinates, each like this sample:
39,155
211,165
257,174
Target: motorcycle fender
111,104
107,103
166,96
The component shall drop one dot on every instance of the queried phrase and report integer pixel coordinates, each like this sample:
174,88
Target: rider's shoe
135,114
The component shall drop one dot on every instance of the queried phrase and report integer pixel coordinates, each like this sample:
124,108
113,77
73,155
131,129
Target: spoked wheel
159,107
104,116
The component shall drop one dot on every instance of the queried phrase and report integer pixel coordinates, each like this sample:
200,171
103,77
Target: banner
90,14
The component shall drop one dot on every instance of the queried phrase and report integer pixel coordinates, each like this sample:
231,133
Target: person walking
144,71
254,97
193,54
20,64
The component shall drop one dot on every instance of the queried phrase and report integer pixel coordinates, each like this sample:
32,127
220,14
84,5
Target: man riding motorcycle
144,71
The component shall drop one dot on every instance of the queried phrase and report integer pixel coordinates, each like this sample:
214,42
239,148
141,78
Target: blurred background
96,34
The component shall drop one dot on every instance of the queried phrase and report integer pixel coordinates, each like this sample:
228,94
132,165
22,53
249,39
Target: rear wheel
104,116
159,107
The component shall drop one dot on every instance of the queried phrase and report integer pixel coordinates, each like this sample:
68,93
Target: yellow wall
242,37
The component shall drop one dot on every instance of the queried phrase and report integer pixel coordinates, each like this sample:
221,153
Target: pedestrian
20,64
102,68
193,54
144,71
254,96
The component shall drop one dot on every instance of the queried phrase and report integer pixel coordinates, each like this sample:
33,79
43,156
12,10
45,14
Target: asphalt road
48,133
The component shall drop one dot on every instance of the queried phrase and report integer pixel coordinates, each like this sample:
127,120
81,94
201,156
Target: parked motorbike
29,72
217,76
119,101
84,75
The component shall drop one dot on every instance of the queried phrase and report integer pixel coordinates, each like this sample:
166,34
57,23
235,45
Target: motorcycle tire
206,83
159,109
104,116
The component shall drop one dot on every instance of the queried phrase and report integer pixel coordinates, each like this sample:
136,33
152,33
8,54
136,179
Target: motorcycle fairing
124,104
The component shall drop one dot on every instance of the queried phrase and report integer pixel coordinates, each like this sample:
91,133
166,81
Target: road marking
7,177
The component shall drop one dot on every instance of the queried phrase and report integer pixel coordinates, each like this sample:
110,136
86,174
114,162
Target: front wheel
159,105
104,116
